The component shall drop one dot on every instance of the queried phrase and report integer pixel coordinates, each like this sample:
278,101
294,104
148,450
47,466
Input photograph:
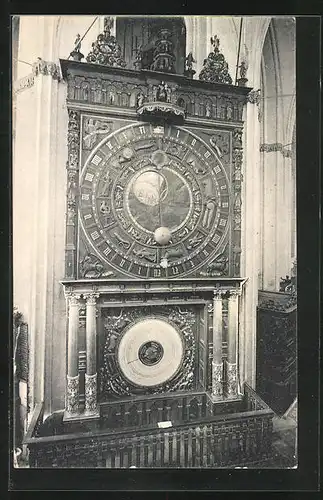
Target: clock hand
132,361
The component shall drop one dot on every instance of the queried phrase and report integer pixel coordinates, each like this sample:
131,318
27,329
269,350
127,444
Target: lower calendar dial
150,352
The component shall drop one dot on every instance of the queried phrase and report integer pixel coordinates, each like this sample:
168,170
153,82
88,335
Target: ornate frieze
215,68
72,165
237,179
275,147
126,90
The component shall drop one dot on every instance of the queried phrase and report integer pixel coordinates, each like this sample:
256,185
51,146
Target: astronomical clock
152,236
154,202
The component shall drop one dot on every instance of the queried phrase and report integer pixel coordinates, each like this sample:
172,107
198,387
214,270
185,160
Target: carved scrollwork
72,395
232,380
217,380
219,267
106,50
91,267
91,393
112,380
94,128
215,68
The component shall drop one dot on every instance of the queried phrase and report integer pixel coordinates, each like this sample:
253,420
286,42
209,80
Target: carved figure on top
189,71
106,50
163,93
76,52
138,59
140,99
243,74
215,67
164,57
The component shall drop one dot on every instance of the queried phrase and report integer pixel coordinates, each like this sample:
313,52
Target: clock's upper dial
154,203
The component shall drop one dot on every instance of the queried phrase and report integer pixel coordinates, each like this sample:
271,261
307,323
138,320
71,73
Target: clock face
154,201
150,352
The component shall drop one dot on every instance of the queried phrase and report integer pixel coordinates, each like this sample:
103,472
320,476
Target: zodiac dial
154,204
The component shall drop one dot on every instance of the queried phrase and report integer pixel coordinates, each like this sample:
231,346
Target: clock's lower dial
154,206
150,353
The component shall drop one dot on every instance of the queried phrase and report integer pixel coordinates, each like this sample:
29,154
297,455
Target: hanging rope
82,38
21,61
238,55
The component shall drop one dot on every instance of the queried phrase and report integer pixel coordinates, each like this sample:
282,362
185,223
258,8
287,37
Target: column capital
73,298
219,293
236,292
91,298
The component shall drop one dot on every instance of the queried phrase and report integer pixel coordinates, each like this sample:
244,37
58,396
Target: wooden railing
225,440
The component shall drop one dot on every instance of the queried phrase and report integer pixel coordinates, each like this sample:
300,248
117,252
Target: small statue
284,283
138,59
108,25
140,99
208,109
77,43
243,69
189,61
161,94
215,42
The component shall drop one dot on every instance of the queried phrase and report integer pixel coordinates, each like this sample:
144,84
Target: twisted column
72,383
233,321
217,362
91,406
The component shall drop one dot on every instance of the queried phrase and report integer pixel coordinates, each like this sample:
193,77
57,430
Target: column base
71,417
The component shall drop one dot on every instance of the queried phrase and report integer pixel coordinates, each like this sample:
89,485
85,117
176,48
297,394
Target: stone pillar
72,385
217,362
91,407
232,358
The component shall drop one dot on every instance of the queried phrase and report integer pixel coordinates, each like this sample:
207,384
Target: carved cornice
49,68
275,147
40,67
277,301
